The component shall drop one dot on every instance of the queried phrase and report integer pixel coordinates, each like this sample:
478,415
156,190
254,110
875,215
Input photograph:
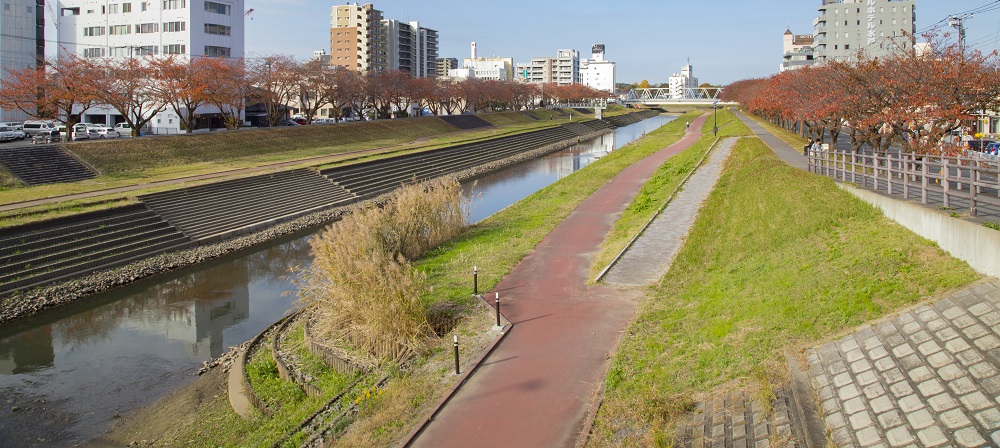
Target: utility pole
959,23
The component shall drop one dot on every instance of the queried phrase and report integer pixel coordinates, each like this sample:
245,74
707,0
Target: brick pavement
928,377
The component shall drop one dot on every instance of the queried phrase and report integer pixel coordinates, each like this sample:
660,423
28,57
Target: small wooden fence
974,178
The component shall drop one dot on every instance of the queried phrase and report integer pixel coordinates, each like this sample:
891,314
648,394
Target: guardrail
969,178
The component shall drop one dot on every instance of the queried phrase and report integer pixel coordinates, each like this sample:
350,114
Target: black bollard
498,309
457,371
475,280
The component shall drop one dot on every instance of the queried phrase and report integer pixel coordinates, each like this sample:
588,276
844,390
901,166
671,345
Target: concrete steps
44,164
214,211
380,176
38,253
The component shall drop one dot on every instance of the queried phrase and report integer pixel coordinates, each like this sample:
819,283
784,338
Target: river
67,374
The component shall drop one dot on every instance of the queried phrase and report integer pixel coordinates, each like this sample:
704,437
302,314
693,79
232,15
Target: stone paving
652,254
735,421
929,377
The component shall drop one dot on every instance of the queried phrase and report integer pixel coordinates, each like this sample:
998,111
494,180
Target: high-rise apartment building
22,25
358,38
598,73
127,29
874,27
361,39
445,64
411,48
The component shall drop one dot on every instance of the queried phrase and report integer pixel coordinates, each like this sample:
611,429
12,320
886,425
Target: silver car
8,133
105,132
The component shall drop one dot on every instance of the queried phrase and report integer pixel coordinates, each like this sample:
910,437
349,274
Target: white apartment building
496,69
798,51
875,27
681,82
22,25
564,69
123,29
598,73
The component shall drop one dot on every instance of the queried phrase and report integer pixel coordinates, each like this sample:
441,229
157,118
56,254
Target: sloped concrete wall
977,245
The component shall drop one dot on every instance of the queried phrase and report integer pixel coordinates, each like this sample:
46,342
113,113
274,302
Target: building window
219,30
93,31
147,28
147,50
218,8
173,27
113,8
144,5
219,52
175,49
93,52
118,30
126,7
847,46
174,4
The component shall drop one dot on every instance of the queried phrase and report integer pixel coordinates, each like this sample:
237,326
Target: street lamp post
715,118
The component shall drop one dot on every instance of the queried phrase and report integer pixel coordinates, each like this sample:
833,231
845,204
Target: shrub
361,285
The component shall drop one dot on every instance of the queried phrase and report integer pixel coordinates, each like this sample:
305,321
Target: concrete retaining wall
973,243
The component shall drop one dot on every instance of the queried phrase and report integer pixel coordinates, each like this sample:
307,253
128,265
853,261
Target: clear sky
726,40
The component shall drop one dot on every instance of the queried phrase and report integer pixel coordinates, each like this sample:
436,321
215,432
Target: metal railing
973,179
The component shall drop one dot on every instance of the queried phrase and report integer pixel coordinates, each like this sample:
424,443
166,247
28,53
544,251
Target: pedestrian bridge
665,96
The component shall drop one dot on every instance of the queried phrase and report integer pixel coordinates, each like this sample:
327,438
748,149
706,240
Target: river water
67,374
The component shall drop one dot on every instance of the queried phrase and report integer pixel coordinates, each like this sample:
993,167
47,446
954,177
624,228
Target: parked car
34,127
106,132
126,131
46,136
80,131
8,133
14,124
979,144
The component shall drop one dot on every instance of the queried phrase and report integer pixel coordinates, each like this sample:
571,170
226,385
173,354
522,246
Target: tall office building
598,73
22,25
445,64
358,38
125,29
875,27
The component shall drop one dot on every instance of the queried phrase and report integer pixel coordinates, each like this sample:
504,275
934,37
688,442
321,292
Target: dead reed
362,287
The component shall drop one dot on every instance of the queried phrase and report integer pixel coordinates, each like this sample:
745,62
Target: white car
8,133
106,132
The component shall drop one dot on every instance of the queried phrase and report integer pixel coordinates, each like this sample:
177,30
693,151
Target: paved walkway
539,386
652,254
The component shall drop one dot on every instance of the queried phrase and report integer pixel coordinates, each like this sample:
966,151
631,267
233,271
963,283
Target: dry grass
365,292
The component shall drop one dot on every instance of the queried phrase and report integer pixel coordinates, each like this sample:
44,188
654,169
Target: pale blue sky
726,40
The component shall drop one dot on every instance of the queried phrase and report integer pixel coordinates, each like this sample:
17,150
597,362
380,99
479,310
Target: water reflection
136,345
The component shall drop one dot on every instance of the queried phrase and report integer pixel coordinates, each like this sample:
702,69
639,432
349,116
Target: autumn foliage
913,99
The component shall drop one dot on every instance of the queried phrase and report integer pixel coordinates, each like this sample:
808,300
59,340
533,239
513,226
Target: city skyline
639,38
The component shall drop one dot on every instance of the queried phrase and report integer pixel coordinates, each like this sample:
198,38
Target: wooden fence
973,177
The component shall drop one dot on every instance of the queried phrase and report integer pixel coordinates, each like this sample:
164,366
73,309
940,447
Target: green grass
659,187
777,261
219,426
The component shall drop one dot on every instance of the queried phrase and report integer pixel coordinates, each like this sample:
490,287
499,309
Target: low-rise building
681,84
798,51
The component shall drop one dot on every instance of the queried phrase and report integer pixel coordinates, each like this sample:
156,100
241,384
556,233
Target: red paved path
537,388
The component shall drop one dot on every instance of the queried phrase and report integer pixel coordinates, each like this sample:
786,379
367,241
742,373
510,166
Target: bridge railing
700,94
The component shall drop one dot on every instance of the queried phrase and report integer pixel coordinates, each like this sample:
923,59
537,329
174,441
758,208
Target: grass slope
778,260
